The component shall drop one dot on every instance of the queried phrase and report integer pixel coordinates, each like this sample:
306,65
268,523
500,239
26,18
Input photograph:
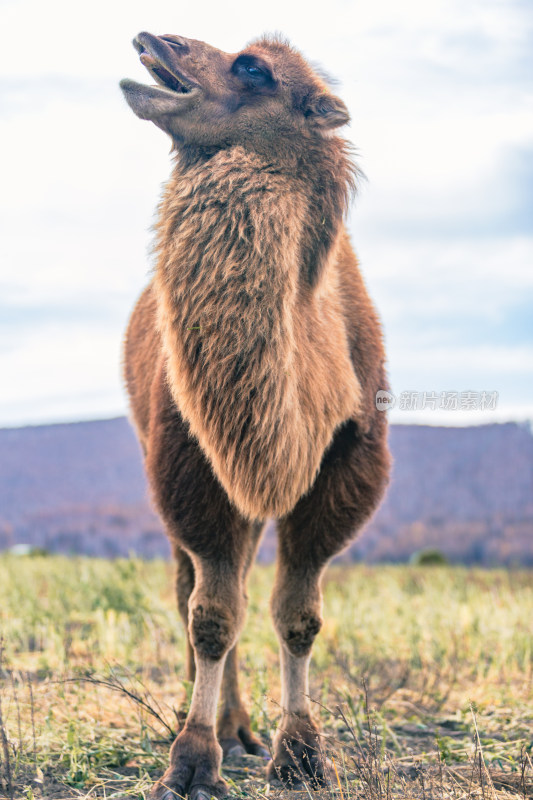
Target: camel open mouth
169,79
174,93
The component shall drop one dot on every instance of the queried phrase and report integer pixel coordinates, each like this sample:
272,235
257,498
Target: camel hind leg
233,727
184,587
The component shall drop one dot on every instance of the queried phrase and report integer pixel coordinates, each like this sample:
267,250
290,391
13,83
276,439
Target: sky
441,98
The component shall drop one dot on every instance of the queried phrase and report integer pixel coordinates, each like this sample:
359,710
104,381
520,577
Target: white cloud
430,279
62,372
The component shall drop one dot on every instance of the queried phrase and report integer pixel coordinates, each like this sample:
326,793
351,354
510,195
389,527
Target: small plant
429,557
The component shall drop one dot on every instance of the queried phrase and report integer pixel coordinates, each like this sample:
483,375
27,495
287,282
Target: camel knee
213,629
299,632
296,607
297,625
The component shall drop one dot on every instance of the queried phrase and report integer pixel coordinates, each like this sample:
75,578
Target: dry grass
421,679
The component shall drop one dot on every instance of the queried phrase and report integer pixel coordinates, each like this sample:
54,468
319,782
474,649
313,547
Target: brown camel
252,361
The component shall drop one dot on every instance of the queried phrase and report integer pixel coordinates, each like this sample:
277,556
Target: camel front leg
296,610
233,726
216,614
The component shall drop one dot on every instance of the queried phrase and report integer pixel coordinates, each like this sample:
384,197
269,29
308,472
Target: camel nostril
175,41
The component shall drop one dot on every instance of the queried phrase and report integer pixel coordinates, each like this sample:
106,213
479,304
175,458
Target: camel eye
252,74
255,72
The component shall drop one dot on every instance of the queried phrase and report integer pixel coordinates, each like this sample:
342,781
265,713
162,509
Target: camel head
262,97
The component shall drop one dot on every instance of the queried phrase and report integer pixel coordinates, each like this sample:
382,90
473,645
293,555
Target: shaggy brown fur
252,362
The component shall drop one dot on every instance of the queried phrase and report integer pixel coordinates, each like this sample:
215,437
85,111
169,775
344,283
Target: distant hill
81,488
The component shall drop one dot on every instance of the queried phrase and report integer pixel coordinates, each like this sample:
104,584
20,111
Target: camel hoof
236,751
282,778
232,747
200,794
296,774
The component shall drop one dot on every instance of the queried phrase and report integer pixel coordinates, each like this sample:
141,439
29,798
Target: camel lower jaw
152,102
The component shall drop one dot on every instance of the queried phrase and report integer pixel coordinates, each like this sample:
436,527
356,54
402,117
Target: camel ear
327,111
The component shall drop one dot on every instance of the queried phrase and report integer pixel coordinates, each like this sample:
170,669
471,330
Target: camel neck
229,240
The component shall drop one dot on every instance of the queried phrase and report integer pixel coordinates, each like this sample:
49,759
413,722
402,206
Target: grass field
421,679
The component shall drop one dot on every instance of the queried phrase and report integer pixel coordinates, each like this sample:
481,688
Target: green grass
409,663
